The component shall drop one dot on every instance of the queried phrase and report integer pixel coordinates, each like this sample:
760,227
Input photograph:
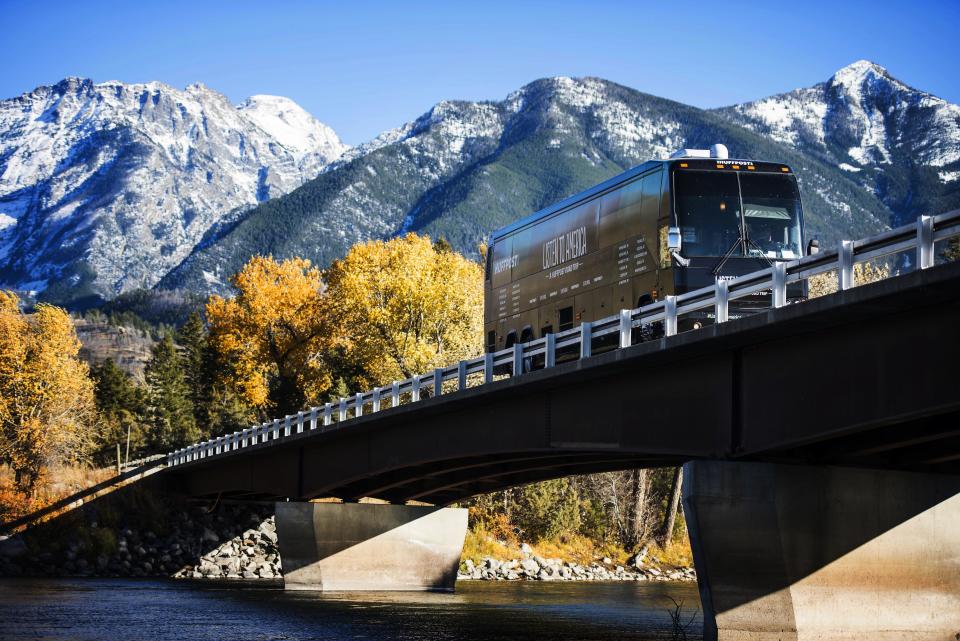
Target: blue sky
363,67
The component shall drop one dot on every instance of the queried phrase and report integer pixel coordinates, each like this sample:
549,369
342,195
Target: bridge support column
803,552
361,546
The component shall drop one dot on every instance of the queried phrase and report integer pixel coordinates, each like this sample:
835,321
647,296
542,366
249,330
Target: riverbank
133,538
539,569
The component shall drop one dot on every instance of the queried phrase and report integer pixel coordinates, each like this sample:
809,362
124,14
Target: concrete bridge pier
362,546
788,552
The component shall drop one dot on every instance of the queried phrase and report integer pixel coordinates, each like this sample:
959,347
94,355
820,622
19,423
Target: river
128,609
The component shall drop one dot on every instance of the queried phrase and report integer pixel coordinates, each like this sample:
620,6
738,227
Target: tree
170,414
271,338
547,509
47,408
404,306
673,502
123,407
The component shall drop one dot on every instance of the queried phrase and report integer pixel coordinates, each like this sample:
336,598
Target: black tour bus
665,227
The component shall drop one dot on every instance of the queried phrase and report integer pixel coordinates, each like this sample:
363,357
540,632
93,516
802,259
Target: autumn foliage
405,306
47,410
271,336
387,310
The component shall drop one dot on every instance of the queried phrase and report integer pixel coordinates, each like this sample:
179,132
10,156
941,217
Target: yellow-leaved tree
271,338
47,407
404,306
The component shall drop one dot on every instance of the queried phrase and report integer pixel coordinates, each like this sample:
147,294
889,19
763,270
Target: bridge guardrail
921,237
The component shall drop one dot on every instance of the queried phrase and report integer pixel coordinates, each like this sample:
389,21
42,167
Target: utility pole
126,460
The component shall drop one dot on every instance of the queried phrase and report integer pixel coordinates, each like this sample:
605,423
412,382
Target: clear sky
363,67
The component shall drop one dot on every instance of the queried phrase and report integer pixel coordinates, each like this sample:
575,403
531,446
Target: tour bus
665,227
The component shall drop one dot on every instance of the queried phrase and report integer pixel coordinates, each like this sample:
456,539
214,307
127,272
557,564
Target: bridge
820,444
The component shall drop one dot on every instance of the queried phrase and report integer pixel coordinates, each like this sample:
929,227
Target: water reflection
518,611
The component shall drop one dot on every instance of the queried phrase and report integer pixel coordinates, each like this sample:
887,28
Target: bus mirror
813,247
673,239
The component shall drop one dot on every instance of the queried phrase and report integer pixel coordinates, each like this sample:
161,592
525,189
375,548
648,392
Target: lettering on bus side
504,264
566,246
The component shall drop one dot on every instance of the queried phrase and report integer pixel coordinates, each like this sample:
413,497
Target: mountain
106,187
466,168
900,143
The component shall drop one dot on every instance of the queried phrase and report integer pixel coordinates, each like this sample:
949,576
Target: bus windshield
708,207
708,212
771,212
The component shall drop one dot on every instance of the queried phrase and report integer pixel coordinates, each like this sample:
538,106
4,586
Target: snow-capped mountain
901,143
465,168
106,187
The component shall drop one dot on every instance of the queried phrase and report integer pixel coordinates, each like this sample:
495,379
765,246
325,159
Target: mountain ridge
176,189
464,168
104,187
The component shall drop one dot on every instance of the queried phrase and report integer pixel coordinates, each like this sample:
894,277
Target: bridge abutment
813,552
362,546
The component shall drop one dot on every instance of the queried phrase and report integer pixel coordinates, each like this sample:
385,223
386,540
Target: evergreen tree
198,367
122,406
170,416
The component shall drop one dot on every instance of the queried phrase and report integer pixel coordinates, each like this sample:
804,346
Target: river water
128,609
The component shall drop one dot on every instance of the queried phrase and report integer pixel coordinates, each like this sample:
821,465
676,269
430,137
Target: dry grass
677,553
579,549
479,544
58,483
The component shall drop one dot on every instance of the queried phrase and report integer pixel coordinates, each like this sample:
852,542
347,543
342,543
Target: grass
573,548
58,483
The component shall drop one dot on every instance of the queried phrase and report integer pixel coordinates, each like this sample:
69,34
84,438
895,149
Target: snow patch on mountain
116,183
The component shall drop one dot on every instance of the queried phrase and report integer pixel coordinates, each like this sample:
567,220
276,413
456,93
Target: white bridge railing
920,238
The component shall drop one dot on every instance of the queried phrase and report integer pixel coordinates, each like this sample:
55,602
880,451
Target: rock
526,549
606,560
529,565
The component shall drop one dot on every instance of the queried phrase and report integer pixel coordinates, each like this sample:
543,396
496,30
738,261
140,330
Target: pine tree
170,416
198,367
122,405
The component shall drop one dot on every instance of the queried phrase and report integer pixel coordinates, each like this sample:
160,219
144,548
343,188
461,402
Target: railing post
438,381
358,410
376,400
925,256
721,298
395,394
550,350
670,315
276,430
243,437
313,418
286,425
342,416
626,328
414,388
779,284
327,414
299,421
517,368
845,265
488,368
462,375
586,340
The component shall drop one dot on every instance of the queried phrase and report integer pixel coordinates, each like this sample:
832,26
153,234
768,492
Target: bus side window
565,318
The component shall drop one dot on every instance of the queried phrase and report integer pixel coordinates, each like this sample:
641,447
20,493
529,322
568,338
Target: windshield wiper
726,257
763,254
